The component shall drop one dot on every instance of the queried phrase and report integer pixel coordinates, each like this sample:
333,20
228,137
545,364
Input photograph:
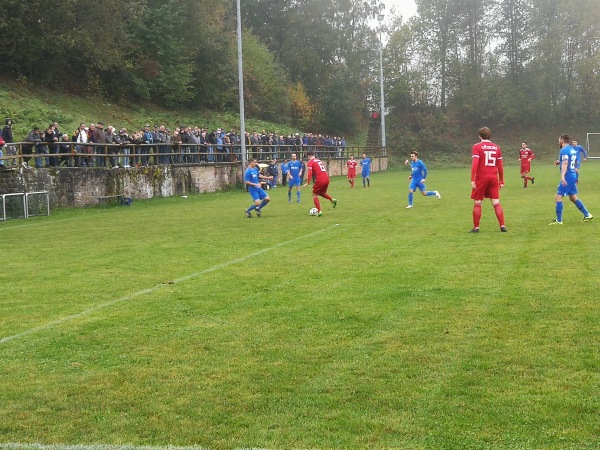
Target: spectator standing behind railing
80,137
203,141
154,150
188,141
125,150
255,145
41,148
7,136
220,153
113,141
65,148
100,138
195,149
285,154
137,139
235,145
212,141
147,139
227,147
163,140
52,146
175,147
32,138
55,148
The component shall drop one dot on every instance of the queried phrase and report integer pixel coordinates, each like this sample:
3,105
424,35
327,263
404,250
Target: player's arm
474,166
424,171
563,170
501,173
308,176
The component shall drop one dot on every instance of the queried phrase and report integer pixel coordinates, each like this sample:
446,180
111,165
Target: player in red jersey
487,177
351,165
525,156
316,169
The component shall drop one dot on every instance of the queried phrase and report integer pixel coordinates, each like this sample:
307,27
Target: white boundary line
35,446
153,289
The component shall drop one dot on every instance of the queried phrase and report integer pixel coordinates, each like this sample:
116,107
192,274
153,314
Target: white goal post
592,145
22,205
38,203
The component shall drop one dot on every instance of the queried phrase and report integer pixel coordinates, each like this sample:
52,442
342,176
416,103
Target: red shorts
525,167
352,174
320,186
486,188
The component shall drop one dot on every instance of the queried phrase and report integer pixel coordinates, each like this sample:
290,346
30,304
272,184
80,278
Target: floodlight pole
380,18
241,85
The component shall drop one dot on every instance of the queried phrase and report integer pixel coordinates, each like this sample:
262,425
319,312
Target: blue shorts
365,174
257,193
416,184
570,188
294,182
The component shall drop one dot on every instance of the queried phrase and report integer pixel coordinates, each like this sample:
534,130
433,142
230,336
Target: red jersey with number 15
317,168
487,161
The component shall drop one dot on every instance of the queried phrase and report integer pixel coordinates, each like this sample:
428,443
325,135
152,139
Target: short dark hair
310,153
414,152
566,138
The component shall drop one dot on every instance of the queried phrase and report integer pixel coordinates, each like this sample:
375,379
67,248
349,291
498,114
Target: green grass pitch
180,322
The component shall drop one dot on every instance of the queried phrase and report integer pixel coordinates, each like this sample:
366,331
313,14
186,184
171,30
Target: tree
437,26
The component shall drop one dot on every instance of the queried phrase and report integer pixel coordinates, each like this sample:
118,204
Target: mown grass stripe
95,308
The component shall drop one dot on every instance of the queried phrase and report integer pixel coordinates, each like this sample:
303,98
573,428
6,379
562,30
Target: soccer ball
313,211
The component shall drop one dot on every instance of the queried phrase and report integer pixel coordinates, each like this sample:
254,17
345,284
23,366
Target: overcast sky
406,8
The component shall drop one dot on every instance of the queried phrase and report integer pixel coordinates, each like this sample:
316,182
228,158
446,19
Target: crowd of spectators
94,145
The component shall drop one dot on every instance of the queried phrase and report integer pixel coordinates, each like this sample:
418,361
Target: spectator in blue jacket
284,171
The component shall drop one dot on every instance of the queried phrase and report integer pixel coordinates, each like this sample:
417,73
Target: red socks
499,213
476,215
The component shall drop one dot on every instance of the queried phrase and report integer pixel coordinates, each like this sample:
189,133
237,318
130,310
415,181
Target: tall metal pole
382,114
241,85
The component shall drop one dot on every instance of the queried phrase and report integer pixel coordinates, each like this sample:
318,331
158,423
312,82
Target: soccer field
178,322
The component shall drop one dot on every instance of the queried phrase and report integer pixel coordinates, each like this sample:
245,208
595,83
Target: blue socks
559,211
410,198
581,208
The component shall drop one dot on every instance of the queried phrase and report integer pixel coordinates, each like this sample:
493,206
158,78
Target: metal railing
71,154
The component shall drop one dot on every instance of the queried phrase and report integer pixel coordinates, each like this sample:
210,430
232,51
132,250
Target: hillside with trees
314,64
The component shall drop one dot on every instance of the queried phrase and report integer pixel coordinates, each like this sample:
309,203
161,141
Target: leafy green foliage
265,83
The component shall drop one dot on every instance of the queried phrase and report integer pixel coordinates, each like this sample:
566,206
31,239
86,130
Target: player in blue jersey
252,180
567,161
417,179
294,177
365,164
581,153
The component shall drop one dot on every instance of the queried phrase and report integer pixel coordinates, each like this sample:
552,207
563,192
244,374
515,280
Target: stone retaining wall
78,187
